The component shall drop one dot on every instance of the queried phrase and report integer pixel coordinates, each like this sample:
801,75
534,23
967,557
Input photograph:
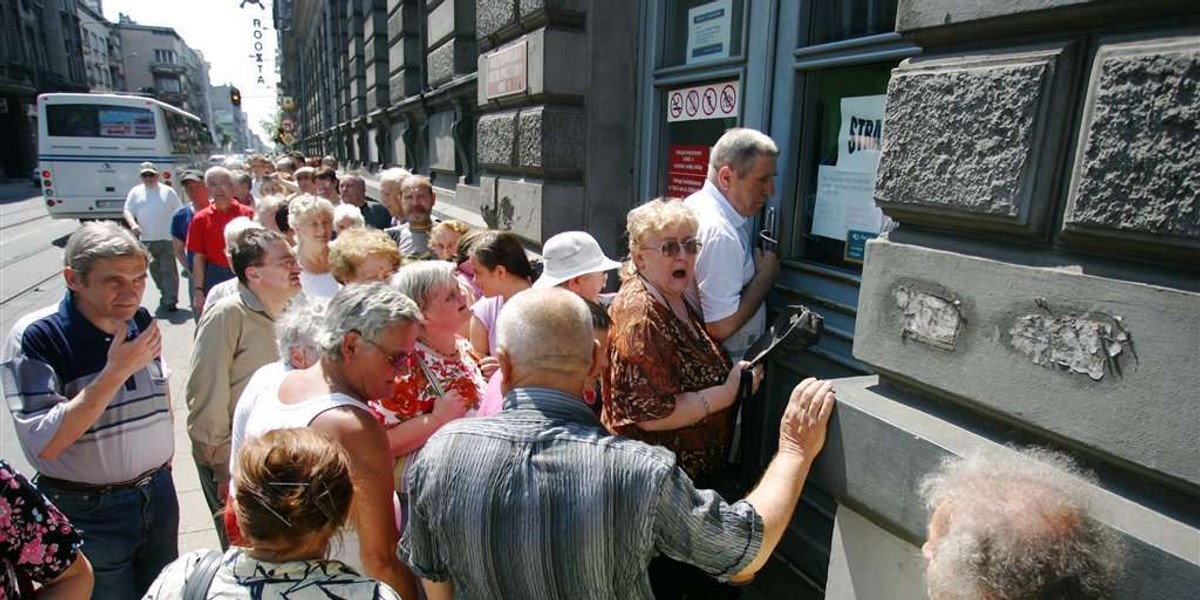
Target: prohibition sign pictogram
728,99
693,103
710,101
676,105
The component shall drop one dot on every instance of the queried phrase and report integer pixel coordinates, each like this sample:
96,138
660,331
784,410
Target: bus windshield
91,120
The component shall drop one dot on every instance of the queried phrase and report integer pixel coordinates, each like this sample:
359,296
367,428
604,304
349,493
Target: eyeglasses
399,362
672,248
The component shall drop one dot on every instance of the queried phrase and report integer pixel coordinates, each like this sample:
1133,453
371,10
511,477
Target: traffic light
235,96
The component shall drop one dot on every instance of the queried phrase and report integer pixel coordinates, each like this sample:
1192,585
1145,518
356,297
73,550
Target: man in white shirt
732,278
148,210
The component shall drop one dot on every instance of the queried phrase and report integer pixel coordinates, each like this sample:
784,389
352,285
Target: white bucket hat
569,255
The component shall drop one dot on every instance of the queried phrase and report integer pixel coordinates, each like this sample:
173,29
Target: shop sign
709,26
687,166
506,71
711,101
856,245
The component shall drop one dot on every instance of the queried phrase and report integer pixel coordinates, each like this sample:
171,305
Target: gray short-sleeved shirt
539,501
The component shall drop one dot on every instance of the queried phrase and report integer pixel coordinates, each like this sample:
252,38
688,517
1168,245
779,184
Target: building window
164,56
702,31
835,20
168,85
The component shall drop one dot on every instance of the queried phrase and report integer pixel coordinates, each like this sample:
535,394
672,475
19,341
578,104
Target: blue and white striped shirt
48,358
539,501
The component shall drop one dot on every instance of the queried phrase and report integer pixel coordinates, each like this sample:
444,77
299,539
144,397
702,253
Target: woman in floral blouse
38,546
668,382
443,381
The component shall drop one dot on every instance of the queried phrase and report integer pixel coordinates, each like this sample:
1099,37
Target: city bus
90,146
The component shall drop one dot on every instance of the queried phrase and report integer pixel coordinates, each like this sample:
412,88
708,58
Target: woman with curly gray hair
1016,525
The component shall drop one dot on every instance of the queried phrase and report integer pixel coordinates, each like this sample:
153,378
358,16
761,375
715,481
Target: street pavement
31,278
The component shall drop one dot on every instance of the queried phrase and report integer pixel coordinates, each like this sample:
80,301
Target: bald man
539,501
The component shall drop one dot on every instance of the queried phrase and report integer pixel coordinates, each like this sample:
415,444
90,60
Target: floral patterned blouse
653,356
414,396
37,543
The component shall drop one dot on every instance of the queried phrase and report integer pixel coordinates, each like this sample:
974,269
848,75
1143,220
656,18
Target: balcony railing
164,67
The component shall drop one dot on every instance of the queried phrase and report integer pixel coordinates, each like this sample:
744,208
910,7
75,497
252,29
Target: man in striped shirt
89,399
539,501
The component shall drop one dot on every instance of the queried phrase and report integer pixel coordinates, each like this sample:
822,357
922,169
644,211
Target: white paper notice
845,201
708,31
861,133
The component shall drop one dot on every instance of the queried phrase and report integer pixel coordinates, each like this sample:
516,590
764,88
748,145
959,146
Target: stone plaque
507,74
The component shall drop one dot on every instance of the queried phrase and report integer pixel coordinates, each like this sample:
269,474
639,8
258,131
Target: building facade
102,55
40,51
995,207
158,61
231,130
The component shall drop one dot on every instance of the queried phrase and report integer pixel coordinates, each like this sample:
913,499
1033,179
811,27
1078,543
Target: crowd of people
384,405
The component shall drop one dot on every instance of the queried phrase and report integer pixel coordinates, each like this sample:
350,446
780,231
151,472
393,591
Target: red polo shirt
206,235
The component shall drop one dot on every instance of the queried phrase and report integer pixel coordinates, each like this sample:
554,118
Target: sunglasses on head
672,248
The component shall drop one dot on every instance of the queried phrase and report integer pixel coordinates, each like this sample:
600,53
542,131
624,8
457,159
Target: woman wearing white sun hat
573,260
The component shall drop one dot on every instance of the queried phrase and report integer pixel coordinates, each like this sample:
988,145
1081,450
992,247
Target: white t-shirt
319,285
152,208
724,266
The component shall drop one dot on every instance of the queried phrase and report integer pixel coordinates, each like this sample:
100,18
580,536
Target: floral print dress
654,355
37,542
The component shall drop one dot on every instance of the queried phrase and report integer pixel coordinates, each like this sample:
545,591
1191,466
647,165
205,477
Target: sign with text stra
711,101
506,71
687,165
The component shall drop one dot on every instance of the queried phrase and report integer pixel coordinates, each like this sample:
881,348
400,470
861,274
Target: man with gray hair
732,278
539,501
390,182
90,404
368,332
1016,525
206,235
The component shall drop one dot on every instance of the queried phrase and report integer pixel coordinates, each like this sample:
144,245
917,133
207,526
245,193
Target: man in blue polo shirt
89,399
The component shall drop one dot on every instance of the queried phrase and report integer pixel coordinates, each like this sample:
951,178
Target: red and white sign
711,101
687,165
506,71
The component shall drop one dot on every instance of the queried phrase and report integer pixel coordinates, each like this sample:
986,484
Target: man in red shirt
206,235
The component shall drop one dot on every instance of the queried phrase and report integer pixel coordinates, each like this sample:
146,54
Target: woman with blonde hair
668,383
311,217
360,254
291,494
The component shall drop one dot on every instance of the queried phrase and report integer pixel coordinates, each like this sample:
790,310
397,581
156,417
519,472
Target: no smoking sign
710,101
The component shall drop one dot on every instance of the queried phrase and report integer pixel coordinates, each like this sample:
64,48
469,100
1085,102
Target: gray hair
355,177
347,211
217,171
303,205
242,178
394,175
299,327
738,149
99,240
1018,525
367,308
547,330
420,280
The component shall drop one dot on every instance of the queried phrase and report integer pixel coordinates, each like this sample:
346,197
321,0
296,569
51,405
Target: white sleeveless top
269,413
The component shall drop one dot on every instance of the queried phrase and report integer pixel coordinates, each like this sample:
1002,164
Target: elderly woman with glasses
443,381
668,383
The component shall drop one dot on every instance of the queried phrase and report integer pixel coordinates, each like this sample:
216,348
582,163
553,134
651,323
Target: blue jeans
128,535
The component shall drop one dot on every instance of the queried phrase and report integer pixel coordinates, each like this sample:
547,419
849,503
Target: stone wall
1041,286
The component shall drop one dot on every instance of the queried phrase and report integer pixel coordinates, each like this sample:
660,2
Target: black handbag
196,586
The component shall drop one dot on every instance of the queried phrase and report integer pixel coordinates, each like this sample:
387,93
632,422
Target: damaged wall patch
1091,343
928,318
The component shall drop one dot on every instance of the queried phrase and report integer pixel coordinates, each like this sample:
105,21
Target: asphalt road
31,277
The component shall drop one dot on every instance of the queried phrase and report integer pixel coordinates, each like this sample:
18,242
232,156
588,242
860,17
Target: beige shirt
234,338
